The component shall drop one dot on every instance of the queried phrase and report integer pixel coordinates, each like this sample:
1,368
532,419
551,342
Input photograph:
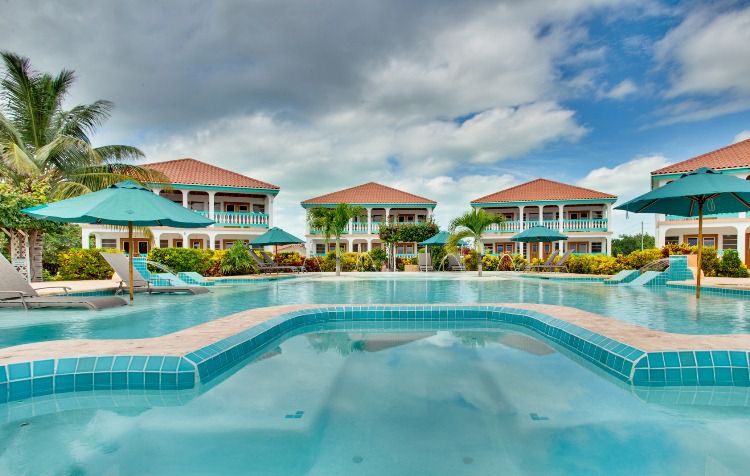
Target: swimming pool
354,398
661,309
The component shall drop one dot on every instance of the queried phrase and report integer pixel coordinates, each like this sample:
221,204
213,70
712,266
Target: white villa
720,230
383,204
241,206
580,213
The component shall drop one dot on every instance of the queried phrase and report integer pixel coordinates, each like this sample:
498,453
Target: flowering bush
490,262
84,264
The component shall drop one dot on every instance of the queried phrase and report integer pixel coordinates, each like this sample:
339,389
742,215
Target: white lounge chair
119,263
16,292
424,261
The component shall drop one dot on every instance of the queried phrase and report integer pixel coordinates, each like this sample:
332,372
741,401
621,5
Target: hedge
83,264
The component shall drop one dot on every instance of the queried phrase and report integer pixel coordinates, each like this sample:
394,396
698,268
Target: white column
211,197
541,213
416,217
609,245
609,216
520,217
156,190
185,198
561,213
85,238
387,216
185,241
269,210
429,214
98,240
350,246
369,220
351,221
741,243
157,238
212,241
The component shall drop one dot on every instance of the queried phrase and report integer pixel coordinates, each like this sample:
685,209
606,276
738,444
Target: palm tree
333,222
40,142
472,224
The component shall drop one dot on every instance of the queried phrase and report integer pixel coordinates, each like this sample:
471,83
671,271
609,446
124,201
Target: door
547,250
196,243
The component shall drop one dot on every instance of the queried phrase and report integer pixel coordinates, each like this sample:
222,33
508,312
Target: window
596,247
177,243
729,242
199,206
488,247
259,208
597,214
320,249
109,243
163,243
708,240
672,240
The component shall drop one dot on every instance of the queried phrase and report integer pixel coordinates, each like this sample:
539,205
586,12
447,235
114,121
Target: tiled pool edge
20,380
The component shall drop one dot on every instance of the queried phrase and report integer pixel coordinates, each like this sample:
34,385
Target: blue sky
450,100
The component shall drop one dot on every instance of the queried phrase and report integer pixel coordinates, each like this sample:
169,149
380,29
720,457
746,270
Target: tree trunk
338,257
36,248
479,258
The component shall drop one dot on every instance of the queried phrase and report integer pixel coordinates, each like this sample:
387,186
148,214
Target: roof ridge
370,183
529,183
697,158
232,173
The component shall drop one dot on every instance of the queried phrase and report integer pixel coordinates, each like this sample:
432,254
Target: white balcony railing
239,219
514,226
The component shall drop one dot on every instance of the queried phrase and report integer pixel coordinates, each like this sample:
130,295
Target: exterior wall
362,234
585,223
239,215
723,230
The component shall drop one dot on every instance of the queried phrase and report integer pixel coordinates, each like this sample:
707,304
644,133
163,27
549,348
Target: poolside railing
238,219
514,226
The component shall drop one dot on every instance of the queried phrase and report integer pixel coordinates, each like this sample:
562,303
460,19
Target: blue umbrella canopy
693,194
125,203
537,234
276,236
440,239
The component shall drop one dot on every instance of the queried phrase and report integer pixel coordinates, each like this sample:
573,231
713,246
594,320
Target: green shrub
519,261
506,263
730,265
182,259
471,261
78,263
378,256
490,262
289,259
594,264
709,261
237,261
638,259
214,263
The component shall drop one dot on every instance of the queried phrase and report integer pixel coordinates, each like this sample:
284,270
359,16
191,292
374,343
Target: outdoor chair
424,261
561,265
119,264
454,263
16,292
270,262
550,259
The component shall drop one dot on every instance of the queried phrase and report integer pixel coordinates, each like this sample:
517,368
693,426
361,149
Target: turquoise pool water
670,310
362,401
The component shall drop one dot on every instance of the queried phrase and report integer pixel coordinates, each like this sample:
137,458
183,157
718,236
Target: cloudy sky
450,100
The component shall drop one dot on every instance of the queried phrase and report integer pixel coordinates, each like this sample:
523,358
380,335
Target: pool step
624,276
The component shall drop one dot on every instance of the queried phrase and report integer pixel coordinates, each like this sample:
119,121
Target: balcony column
351,221
185,202
212,241
387,216
85,238
157,238
369,220
269,210
560,220
185,241
609,246
741,243
97,240
520,217
541,214
211,197
429,214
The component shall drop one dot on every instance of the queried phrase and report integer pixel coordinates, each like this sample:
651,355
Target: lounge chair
561,265
549,261
424,261
119,263
265,267
454,263
270,262
16,292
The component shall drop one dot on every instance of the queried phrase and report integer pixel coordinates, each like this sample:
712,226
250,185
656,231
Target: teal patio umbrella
125,203
538,234
276,236
692,194
440,239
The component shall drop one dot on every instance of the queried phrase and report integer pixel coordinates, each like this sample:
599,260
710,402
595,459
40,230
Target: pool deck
186,341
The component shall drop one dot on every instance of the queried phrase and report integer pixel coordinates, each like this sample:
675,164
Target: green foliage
594,264
472,224
626,244
638,259
182,259
14,199
416,232
709,261
519,261
471,261
676,249
237,261
64,239
378,256
506,263
490,262
333,222
83,264
437,253
731,265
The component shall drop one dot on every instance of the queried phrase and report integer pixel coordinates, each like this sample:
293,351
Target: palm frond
82,120
18,161
119,153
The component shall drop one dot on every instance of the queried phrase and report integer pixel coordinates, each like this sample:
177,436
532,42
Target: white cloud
626,180
621,90
744,135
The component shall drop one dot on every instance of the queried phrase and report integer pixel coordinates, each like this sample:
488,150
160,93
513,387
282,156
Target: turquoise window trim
265,191
542,202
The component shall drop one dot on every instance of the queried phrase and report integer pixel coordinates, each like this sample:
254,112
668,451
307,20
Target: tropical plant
472,224
42,142
731,265
332,222
182,259
378,257
83,264
237,260
626,244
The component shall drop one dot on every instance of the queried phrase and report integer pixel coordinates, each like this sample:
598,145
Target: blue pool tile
66,366
169,381
64,383
42,368
42,386
720,357
185,380
136,380
19,371
154,363
740,376
723,375
170,364
84,381
704,359
19,389
3,392
738,359
671,359
102,380
3,378
185,365
103,364
674,376
119,380
121,363
152,380
655,360
706,376
137,363
86,364
687,359
657,376
689,376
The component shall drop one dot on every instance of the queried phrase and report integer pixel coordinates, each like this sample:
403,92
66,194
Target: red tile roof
542,190
729,157
368,193
195,172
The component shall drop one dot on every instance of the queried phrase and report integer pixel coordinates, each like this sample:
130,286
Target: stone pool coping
180,360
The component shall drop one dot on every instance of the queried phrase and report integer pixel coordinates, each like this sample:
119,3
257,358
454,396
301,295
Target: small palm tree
332,223
472,224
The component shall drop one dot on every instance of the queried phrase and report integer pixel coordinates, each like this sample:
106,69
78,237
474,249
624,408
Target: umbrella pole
130,260
700,250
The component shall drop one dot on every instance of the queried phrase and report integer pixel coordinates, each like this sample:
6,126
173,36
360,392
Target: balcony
362,227
705,217
514,226
239,219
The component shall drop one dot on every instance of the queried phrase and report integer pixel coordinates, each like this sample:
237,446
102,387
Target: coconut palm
40,141
332,223
472,224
